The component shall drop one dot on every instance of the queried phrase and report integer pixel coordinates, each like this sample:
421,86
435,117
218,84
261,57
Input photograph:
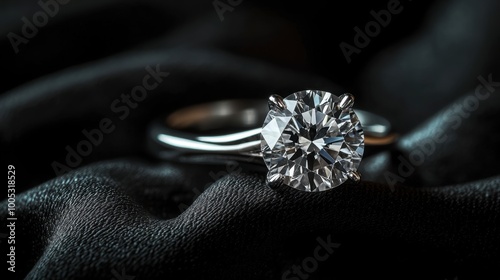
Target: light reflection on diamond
311,143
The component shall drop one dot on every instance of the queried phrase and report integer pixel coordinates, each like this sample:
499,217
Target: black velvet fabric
428,207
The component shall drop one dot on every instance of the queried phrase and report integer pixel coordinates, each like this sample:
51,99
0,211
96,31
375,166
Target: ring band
235,127
174,131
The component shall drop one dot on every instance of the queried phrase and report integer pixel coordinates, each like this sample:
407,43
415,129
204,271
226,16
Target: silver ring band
234,126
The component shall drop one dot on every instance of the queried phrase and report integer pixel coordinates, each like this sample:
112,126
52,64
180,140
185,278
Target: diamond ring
311,140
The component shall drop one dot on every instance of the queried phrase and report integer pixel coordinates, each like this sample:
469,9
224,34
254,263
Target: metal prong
354,175
274,181
346,101
276,102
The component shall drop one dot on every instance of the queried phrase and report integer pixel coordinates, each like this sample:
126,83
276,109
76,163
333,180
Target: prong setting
276,102
274,180
287,137
354,176
346,101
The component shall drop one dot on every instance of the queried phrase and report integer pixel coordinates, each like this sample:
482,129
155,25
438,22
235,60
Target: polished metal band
234,126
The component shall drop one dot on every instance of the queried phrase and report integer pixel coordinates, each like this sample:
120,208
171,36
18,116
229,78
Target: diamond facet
314,142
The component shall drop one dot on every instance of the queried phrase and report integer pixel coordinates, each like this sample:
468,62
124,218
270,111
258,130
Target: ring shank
234,126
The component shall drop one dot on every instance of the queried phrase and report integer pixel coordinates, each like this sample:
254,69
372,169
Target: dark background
119,207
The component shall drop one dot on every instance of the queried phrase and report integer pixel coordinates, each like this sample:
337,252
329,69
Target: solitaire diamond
312,140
